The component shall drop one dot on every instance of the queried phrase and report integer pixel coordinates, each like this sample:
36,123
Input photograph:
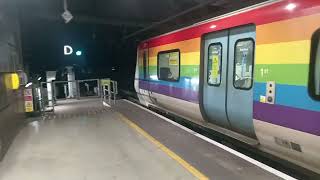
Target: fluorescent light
39,78
290,6
29,84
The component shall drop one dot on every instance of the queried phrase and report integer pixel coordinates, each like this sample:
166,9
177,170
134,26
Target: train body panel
283,108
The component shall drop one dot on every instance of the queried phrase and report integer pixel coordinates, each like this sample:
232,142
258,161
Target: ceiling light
213,26
290,6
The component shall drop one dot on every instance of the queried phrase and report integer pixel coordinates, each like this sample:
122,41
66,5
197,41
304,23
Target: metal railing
45,98
110,91
45,102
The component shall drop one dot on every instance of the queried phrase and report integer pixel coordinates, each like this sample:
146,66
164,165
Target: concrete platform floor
85,141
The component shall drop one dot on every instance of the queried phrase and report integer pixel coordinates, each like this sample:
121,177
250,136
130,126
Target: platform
83,140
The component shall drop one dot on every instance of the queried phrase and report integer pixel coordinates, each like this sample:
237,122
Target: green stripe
291,74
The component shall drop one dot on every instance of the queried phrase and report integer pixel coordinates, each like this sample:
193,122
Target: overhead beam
111,21
200,5
90,20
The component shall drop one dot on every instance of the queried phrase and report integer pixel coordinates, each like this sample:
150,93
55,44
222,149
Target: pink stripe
263,15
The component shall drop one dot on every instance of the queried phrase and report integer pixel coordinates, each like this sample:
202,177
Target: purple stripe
180,93
293,118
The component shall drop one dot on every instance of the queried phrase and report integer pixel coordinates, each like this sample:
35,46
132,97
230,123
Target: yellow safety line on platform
170,153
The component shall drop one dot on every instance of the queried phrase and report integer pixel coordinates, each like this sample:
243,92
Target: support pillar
72,88
51,76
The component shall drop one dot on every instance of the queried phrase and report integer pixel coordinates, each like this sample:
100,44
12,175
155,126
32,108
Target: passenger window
317,71
314,86
214,64
169,65
243,64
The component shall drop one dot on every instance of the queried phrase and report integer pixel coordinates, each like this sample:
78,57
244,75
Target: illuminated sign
67,50
12,81
28,100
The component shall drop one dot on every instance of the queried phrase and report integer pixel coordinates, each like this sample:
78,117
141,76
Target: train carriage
253,74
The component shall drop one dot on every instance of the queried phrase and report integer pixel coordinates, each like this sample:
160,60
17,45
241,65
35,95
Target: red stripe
263,15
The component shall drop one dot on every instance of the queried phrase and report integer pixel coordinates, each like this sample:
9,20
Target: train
252,74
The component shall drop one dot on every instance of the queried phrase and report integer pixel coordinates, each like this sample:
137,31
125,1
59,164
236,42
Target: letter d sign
67,50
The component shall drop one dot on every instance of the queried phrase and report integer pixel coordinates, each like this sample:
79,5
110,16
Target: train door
228,78
142,75
240,79
215,75
146,74
145,64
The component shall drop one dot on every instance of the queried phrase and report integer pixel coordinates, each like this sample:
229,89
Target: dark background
104,53
107,32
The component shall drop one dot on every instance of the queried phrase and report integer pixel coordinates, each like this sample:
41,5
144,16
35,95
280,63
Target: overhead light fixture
213,26
290,6
39,78
66,15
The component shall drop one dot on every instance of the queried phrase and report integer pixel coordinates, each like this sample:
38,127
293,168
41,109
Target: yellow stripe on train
191,45
192,58
295,52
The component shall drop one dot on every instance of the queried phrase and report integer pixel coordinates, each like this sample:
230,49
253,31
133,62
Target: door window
314,86
169,65
214,64
243,64
317,71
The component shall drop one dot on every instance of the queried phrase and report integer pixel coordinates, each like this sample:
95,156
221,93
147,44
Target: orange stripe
295,29
191,45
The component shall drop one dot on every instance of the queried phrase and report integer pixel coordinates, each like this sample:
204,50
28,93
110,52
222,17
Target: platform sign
28,106
105,82
28,100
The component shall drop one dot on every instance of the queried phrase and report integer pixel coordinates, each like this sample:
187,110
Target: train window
169,65
314,85
243,64
214,64
144,65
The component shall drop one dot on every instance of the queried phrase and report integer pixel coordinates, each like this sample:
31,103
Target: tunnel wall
11,100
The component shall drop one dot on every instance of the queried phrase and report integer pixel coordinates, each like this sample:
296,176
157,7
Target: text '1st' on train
253,74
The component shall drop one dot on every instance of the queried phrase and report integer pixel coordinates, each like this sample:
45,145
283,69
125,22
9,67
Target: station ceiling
140,18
